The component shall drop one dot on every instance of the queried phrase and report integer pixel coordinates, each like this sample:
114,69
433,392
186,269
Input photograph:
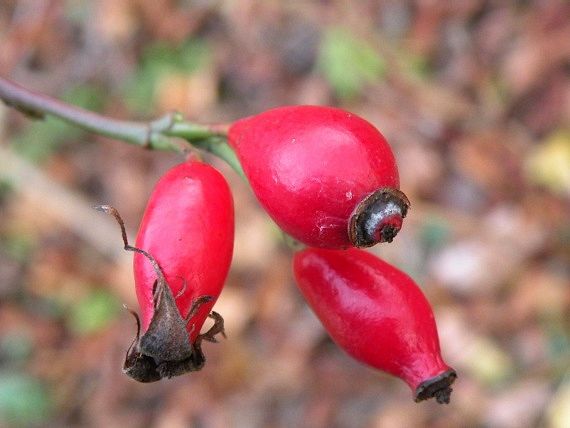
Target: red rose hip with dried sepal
377,314
183,253
326,176
188,226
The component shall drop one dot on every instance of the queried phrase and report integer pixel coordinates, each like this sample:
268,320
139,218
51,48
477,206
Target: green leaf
349,63
39,140
23,400
6,187
44,137
94,312
18,246
158,60
86,96
435,233
15,346
416,65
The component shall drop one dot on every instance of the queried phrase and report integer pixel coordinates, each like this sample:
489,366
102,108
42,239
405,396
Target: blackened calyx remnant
378,218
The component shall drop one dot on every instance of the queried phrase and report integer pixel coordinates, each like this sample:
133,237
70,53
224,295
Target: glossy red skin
372,310
309,167
188,227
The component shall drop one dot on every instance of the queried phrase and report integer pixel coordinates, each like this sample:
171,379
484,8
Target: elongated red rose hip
377,314
326,176
188,227
183,253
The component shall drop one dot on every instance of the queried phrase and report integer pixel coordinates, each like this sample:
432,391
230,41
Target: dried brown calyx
378,218
438,387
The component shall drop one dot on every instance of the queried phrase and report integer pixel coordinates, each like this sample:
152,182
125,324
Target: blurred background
474,97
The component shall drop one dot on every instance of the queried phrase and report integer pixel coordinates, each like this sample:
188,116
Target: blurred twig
71,210
51,197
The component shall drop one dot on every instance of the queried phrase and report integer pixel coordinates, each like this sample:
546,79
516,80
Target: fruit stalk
158,134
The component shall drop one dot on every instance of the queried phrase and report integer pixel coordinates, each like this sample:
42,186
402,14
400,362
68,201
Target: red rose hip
183,253
188,227
326,176
377,314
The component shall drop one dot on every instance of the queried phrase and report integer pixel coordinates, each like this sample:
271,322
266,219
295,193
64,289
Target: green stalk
159,134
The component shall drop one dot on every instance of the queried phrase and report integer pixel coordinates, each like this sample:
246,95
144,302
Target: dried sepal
438,387
165,349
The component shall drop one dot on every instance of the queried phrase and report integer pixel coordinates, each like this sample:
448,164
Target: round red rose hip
326,176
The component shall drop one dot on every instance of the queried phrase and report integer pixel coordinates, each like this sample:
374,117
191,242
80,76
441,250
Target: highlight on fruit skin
326,176
378,315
